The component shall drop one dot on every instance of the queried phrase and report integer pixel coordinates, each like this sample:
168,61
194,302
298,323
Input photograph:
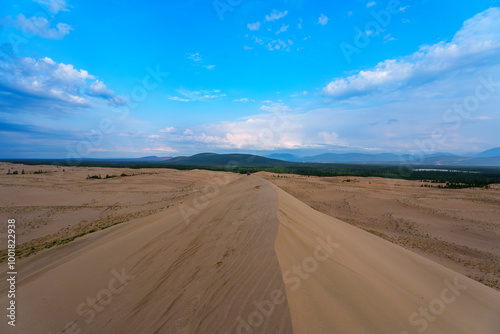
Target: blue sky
99,79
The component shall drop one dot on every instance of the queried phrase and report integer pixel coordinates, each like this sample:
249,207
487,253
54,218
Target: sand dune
168,275
457,228
368,285
244,257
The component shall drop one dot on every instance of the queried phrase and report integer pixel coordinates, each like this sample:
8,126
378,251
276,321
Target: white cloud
303,93
168,129
389,38
275,107
133,134
176,98
370,4
200,95
476,43
282,29
277,45
245,47
243,99
254,26
323,20
482,118
161,149
198,61
38,26
253,134
98,88
331,138
118,101
35,79
258,41
195,57
279,129
300,23
275,15
45,78
55,6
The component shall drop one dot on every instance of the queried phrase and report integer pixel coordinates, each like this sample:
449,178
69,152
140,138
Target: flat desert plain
168,251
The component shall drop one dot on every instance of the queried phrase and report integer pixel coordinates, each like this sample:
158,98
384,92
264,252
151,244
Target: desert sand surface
363,284
163,273
458,228
166,251
61,202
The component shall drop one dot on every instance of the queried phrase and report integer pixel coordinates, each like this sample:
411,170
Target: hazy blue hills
494,152
213,159
487,158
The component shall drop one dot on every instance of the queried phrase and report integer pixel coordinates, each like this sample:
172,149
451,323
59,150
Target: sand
363,284
458,228
208,252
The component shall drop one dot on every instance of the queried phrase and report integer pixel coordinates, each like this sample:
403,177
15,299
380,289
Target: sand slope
368,285
167,275
250,258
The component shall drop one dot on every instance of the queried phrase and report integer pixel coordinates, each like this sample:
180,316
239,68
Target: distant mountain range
153,158
494,152
487,158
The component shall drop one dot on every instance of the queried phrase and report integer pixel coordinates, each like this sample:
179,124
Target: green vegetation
98,177
20,253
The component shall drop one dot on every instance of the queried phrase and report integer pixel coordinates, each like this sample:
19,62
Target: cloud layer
477,43
55,6
45,80
38,26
